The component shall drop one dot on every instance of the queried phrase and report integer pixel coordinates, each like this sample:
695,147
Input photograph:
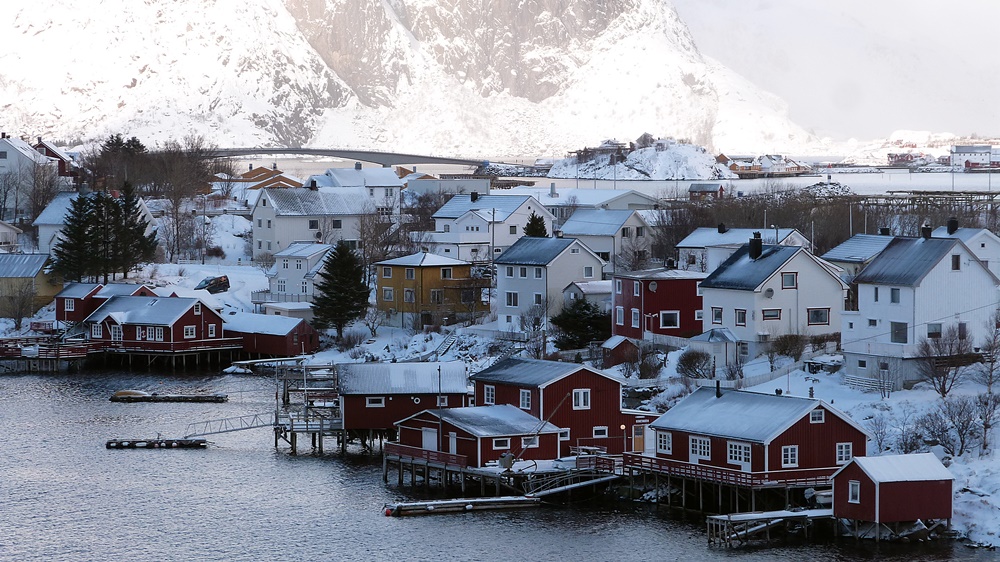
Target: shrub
350,339
790,345
215,252
695,364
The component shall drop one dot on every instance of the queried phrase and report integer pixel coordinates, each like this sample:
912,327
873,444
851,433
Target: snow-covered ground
679,161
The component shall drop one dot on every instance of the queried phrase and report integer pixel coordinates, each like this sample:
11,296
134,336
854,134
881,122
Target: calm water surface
63,496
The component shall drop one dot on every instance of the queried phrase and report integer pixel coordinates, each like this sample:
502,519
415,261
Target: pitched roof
77,290
154,311
905,261
963,234
423,259
596,222
403,378
704,187
916,467
737,414
592,287
662,273
353,177
531,372
112,289
55,212
716,335
859,248
303,250
26,150
301,201
21,265
462,203
494,421
251,323
572,196
741,273
704,237
529,250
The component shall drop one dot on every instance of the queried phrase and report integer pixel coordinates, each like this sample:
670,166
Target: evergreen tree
132,245
581,323
535,226
342,294
76,252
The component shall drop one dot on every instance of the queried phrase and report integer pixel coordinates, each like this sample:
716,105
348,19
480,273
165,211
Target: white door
453,443
430,438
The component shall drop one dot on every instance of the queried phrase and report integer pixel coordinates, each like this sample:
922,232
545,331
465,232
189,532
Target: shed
272,336
893,488
617,350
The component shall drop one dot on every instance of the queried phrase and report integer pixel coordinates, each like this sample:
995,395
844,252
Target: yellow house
25,286
425,289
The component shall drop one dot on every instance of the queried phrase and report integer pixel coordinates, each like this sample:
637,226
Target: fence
762,378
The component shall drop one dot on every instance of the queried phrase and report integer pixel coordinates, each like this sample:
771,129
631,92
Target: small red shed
478,435
617,350
893,488
275,336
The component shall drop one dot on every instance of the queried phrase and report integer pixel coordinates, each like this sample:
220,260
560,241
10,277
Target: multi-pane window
284,263
511,298
525,402
69,305
581,399
189,332
817,416
635,317
305,287
933,330
197,309
771,314
298,264
489,395
522,272
619,315
437,296
211,330
407,295
789,456
701,448
739,453
281,285
664,442
844,452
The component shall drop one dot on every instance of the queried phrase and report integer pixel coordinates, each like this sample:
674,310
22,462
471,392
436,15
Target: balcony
184,346
791,476
260,297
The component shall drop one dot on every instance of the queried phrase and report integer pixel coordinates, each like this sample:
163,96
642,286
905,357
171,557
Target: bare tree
9,181
888,371
734,371
376,234
942,361
181,169
532,323
878,426
373,319
987,372
633,254
263,261
952,424
17,300
987,407
907,440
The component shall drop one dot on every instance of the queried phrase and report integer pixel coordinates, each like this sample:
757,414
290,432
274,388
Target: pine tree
76,252
132,245
535,226
581,323
342,294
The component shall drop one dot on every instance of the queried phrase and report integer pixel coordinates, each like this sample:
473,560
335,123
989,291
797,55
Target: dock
156,443
459,505
741,529
139,396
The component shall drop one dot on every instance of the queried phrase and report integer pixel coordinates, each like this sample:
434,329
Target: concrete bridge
386,159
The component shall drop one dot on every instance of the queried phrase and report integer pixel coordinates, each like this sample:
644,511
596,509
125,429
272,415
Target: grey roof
402,378
113,289
859,248
905,261
741,273
495,421
704,237
423,259
529,250
596,222
77,290
150,311
662,273
303,250
462,203
529,372
21,265
365,177
963,234
55,211
301,201
914,467
704,187
251,323
716,335
738,414
592,287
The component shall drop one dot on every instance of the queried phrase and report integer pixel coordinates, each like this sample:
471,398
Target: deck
765,479
741,529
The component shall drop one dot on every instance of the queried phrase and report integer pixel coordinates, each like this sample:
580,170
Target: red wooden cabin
78,300
585,403
374,396
666,300
892,489
751,439
157,325
475,436
273,336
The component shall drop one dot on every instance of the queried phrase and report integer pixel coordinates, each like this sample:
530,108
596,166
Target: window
876,294
743,348
260,223
894,295
956,262
298,264
529,442
962,331
489,394
284,263
410,273
511,298
538,273
69,305
789,280
771,314
574,250
442,401
387,293
116,332
588,271
635,317
789,456
263,203
337,223
538,298
600,431
269,245
3,154
189,332
934,330
635,288
407,295
691,259
269,223
897,332
862,364
664,442
211,330
525,399
619,316
670,319
437,296
817,416
854,491
819,316
626,232
159,333
500,443
581,399
197,309
513,229
259,244
447,228
522,272
387,273
844,453
618,286
510,271
138,332
738,453
872,322
564,435
313,224
741,317
700,448
640,232
699,315
716,315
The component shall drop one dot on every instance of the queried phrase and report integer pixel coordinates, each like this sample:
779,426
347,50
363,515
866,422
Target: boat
142,396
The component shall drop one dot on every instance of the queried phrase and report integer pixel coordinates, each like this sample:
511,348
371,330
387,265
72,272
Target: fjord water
63,496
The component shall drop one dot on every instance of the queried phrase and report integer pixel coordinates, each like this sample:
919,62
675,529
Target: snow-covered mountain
456,77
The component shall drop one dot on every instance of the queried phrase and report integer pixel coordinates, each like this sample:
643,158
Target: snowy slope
457,77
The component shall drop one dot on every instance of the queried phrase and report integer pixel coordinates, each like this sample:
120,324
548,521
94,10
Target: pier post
294,441
385,470
400,483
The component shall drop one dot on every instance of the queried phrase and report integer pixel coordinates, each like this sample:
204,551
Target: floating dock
157,443
140,396
459,505
740,529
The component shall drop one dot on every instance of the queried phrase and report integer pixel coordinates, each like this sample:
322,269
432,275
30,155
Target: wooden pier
157,443
139,396
463,505
742,529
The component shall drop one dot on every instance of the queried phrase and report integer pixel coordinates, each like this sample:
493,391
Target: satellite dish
652,286
769,293
319,235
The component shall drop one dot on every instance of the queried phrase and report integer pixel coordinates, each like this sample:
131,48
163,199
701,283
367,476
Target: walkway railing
395,449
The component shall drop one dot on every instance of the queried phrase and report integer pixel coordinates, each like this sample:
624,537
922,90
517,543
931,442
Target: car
214,285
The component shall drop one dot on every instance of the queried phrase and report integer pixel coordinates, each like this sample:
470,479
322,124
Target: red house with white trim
751,439
893,489
274,336
157,325
585,403
657,301
78,300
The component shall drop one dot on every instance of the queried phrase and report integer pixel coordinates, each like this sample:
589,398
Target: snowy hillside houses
67,167
292,280
424,289
24,279
658,301
77,301
531,276
619,237
475,228
563,202
706,248
915,289
700,191
763,166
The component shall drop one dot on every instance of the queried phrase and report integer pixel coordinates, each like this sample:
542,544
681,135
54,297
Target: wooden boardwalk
741,529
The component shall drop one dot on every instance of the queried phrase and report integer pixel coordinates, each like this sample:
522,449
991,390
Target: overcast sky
862,68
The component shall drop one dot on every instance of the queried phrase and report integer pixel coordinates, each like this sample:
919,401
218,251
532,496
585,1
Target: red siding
302,339
357,415
897,501
818,441
863,511
670,294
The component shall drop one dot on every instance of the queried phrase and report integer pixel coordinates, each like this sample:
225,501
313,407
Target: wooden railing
795,476
424,454
146,346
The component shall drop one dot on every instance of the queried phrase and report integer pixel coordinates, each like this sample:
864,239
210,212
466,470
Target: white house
619,237
594,292
564,201
383,184
855,253
761,292
8,237
916,288
971,156
980,241
533,273
472,227
25,165
706,248
292,279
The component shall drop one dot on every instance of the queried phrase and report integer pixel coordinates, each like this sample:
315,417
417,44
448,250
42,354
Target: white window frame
159,333
588,272
409,295
117,334
845,452
189,332
538,273
374,401
699,315
665,442
538,299
581,398
790,456
794,278
699,448
96,330
676,314
387,293
817,416
211,330
618,286
529,442
564,434
501,443
620,315
738,452
442,401
716,315
197,309
636,288
525,399
522,272
635,317
386,272
489,395
410,273
511,299
509,272
69,305
600,432
853,491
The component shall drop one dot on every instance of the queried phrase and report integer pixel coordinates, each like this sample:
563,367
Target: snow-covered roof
654,217
529,250
704,187
423,259
21,265
615,341
289,306
201,294
704,237
26,150
403,378
741,273
77,290
494,421
716,335
9,227
592,287
580,197
55,212
62,155
303,250
151,311
916,467
531,372
463,203
905,261
737,414
251,323
115,289
354,177
859,248
662,273
301,201
596,222
963,234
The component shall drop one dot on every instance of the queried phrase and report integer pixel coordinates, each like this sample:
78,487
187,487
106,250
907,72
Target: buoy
388,512
468,507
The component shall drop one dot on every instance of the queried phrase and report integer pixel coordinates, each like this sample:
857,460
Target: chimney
925,231
718,389
557,233
39,140
474,196
274,166
884,231
952,225
357,165
249,167
552,190
313,186
722,228
756,246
